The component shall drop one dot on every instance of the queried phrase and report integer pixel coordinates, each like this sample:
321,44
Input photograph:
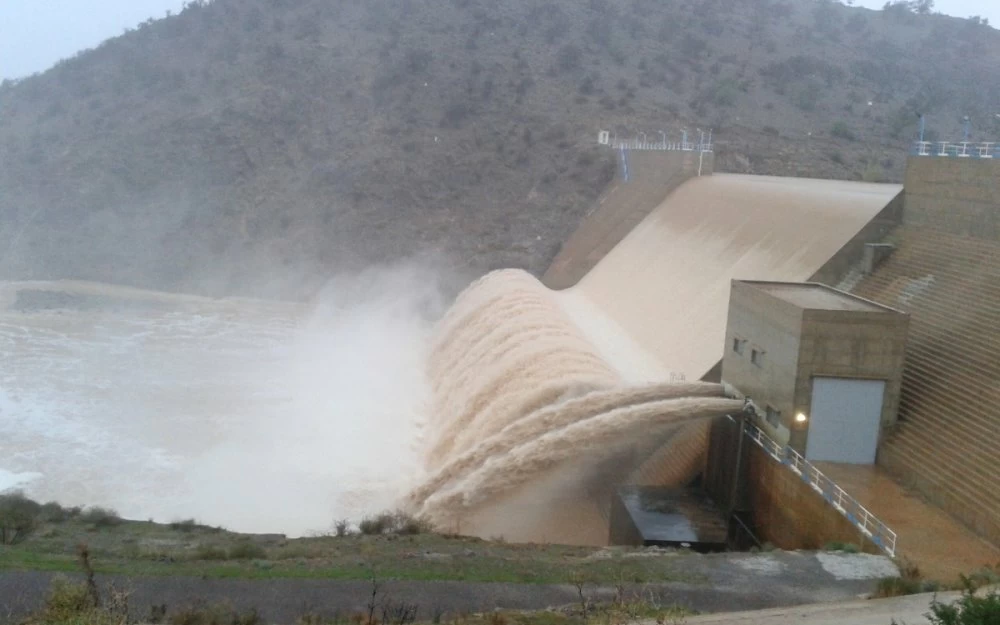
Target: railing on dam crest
642,141
861,517
960,149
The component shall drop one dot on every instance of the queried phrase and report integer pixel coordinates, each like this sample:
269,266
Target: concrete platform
667,517
941,546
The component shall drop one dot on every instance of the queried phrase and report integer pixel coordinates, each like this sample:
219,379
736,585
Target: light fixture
801,418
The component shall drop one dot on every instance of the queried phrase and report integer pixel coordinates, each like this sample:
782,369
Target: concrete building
822,367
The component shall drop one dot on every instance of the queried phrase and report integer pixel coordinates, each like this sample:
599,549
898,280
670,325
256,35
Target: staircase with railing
862,518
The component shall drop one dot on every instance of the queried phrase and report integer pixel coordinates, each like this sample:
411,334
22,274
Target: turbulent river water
259,417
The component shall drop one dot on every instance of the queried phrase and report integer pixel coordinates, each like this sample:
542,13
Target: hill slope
256,145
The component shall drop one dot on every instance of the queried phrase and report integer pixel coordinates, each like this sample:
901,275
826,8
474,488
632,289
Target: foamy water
263,418
531,396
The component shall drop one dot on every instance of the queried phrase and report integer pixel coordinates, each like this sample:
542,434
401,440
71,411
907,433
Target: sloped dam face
501,418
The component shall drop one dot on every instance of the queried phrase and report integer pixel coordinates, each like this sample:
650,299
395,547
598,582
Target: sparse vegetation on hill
247,143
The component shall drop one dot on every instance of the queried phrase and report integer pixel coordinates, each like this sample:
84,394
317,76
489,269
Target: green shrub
398,522
843,547
67,599
342,528
370,526
101,517
246,550
724,92
52,512
842,131
410,525
210,552
71,603
214,615
187,525
970,609
986,576
18,517
909,582
897,587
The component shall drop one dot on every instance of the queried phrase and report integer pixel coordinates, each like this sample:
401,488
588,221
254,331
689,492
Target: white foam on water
265,420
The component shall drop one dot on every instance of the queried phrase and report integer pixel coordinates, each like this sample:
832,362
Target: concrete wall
946,444
955,195
852,254
773,326
800,344
853,345
789,514
653,176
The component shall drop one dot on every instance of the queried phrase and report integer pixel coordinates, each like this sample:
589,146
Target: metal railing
660,146
861,517
960,149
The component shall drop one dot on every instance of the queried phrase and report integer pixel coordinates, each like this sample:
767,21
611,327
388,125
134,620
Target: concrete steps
947,442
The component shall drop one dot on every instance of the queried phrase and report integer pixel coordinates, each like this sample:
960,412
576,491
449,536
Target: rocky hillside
256,146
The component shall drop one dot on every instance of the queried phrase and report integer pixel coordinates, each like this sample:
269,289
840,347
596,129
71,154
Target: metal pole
701,149
734,493
922,126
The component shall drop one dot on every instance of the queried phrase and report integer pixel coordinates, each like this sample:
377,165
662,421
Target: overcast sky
34,34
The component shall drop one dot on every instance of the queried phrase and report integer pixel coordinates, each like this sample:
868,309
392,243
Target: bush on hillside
18,517
52,512
399,523
342,528
970,609
185,525
210,552
842,547
909,582
71,603
246,550
842,131
101,517
214,615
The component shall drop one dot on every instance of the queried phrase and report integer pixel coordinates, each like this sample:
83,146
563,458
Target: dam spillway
526,380
513,411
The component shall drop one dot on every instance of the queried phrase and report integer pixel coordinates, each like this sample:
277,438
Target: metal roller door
844,420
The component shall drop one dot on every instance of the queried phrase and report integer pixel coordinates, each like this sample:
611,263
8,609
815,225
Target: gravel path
911,610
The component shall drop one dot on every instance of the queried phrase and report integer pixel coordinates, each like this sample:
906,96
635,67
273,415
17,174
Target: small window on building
773,416
757,357
738,345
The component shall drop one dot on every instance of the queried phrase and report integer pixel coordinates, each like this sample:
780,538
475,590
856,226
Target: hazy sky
34,34
962,8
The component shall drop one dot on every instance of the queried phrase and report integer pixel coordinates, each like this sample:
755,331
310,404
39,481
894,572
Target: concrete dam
543,398
538,410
